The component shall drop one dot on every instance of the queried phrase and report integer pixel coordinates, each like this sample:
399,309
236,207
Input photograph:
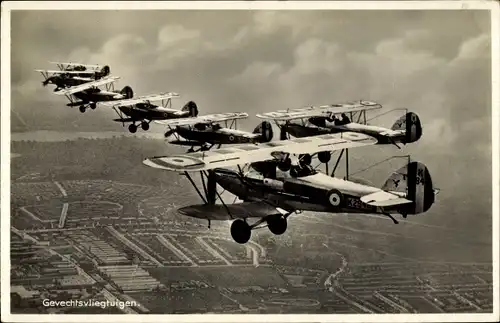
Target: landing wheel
92,106
145,126
277,224
335,198
240,231
82,109
324,156
285,165
132,128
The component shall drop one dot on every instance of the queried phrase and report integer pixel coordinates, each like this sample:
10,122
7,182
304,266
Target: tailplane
414,180
265,130
192,108
410,122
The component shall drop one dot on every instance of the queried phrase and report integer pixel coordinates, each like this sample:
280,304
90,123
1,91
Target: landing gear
277,224
93,106
82,108
324,156
391,217
132,128
145,126
241,231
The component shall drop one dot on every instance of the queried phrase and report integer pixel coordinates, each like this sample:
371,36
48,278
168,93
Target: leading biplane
73,74
206,131
89,94
316,120
272,197
142,111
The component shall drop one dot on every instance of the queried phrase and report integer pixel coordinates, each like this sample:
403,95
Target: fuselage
142,111
62,82
212,135
98,96
383,135
308,193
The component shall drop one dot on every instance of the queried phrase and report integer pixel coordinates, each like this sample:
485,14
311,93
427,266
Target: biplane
89,94
206,131
141,110
272,196
316,120
73,74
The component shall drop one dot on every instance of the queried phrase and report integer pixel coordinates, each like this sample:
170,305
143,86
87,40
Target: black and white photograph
250,158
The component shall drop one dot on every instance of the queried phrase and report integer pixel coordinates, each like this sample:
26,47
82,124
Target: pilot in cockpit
345,119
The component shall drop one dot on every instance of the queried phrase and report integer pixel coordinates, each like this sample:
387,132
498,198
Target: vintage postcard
250,161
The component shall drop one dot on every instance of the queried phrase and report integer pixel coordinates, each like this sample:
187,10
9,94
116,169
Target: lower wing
222,212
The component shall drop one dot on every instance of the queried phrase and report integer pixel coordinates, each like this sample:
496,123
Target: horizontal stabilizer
383,198
229,211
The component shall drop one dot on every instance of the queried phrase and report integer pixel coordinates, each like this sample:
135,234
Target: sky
434,63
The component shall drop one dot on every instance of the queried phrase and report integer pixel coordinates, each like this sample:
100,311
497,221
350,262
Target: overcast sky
435,63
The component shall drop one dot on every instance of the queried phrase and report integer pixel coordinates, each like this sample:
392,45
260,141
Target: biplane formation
270,180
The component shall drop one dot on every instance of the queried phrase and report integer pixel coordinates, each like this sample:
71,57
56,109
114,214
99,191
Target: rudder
192,107
410,122
415,180
127,92
265,129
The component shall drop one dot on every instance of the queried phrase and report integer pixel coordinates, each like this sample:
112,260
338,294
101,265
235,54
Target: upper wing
308,112
66,72
383,198
211,118
77,64
86,86
251,153
141,99
229,211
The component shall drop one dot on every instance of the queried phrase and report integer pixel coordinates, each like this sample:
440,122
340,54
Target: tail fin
266,131
415,180
104,71
410,122
192,108
127,92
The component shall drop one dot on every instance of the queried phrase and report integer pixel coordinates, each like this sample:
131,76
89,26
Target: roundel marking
231,138
334,199
413,118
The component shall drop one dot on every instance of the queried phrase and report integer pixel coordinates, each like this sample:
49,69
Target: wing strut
195,187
